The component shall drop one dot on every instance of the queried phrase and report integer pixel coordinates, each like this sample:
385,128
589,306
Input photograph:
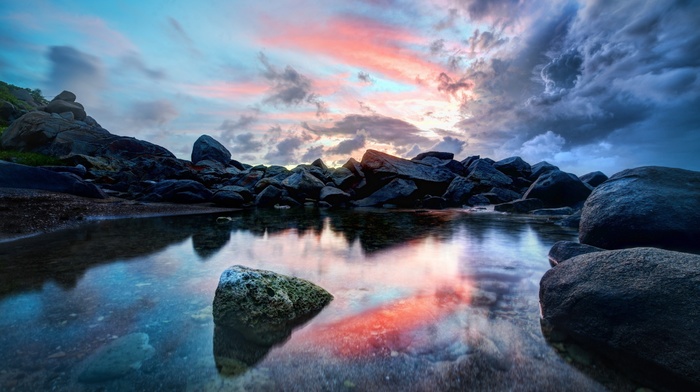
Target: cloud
312,153
449,144
453,87
289,87
364,77
243,121
286,145
153,113
380,128
245,143
347,146
79,72
134,61
180,35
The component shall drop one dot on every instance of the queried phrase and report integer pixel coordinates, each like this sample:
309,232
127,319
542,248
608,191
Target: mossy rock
265,306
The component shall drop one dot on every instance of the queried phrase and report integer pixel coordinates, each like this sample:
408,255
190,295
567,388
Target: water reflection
423,301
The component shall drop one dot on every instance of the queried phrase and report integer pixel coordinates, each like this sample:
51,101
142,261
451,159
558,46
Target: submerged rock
638,306
264,306
117,358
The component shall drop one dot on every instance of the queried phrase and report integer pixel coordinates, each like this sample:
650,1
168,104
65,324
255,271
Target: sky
585,85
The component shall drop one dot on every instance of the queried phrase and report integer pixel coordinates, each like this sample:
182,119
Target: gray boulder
268,197
65,95
261,304
638,306
228,199
564,250
478,200
333,196
303,184
458,192
384,166
206,147
541,168
483,172
179,191
13,175
521,206
594,178
513,167
344,178
646,206
558,189
398,191
60,106
435,154
553,211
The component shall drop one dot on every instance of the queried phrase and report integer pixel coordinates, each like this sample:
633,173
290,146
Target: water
423,301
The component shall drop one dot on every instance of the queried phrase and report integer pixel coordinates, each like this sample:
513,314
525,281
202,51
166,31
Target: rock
319,164
128,148
59,106
478,200
206,147
434,202
521,206
303,184
638,306
558,189
435,154
433,180
355,167
333,196
572,221
79,170
469,160
13,175
513,167
179,191
501,195
541,168
262,305
343,178
116,359
228,199
646,206
487,176
594,178
8,112
244,192
458,192
65,95
564,250
399,191
268,197
553,211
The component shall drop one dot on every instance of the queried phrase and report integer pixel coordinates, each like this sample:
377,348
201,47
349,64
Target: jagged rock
487,176
433,180
60,106
355,167
637,306
398,191
646,206
179,191
521,206
459,191
206,147
333,195
541,168
564,250
262,305
78,170
268,197
434,202
478,200
501,195
319,164
435,154
558,189
343,178
469,160
572,221
594,178
513,167
244,192
13,175
303,184
487,161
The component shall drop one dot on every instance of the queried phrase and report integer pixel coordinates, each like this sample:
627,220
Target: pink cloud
360,42
220,89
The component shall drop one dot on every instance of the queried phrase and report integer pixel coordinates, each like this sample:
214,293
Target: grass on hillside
30,158
6,95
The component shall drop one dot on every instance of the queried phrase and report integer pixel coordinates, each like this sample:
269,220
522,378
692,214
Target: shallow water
423,301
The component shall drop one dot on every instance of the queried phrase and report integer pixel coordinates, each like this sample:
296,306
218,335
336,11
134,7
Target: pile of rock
135,169
631,287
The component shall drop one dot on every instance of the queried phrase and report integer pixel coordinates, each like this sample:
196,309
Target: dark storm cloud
284,151
79,72
453,87
346,147
385,129
152,113
450,144
484,41
312,153
598,74
290,88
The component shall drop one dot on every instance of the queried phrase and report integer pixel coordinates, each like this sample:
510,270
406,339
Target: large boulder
333,195
434,154
206,147
594,178
262,305
645,206
433,180
459,191
397,191
521,206
179,191
483,173
513,167
303,184
14,175
558,189
59,106
639,306
565,250
541,168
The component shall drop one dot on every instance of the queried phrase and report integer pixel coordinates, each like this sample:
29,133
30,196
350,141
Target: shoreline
27,213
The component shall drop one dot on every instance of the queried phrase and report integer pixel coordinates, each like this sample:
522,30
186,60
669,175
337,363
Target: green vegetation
30,158
2,129
6,95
